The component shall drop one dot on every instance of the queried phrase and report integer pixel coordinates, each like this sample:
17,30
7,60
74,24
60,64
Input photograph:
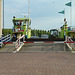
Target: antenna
25,15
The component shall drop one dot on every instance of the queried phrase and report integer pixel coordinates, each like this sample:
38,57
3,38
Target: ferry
21,27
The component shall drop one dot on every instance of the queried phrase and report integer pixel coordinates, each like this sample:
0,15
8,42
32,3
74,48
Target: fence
3,38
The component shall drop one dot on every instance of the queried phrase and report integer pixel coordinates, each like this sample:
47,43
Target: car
44,36
35,37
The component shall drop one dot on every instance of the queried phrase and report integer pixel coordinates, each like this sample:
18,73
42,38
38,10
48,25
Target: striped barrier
7,38
3,39
51,42
37,42
70,43
46,42
0,43
19,44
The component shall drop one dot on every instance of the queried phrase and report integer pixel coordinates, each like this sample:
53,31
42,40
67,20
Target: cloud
44,13
46,23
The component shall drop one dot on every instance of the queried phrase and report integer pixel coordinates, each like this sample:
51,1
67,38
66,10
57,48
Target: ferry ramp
43,47
36,47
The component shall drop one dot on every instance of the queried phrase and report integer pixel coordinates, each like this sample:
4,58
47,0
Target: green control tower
21,27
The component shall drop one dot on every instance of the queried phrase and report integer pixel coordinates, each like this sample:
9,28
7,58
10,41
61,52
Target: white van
44,36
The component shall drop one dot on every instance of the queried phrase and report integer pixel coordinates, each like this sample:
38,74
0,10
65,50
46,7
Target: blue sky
44,13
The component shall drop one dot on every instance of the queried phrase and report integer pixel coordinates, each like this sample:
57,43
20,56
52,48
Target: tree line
39,32
34,32
6,31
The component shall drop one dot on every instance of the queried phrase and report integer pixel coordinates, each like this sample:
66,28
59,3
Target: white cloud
44,13
46,23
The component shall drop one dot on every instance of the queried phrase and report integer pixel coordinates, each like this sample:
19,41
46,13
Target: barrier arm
18,44
70,43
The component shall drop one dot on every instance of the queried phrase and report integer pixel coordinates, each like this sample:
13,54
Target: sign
67,27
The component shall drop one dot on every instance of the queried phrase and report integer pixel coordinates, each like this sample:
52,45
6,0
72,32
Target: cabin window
18,23
54,33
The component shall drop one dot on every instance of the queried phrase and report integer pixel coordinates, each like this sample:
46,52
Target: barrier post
18,43
70,43
0,43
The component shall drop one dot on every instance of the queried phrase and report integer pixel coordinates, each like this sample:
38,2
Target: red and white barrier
70,43
46,42
19,44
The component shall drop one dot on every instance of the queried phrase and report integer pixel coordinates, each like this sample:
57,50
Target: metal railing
3,38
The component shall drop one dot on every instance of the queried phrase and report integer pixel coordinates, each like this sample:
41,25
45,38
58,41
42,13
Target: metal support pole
29,10
71,14
0,18
3,16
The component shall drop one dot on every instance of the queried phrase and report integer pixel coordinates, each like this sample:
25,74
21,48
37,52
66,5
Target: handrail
6,38
18,43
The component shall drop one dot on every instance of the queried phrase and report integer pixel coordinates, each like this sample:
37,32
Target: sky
44,13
